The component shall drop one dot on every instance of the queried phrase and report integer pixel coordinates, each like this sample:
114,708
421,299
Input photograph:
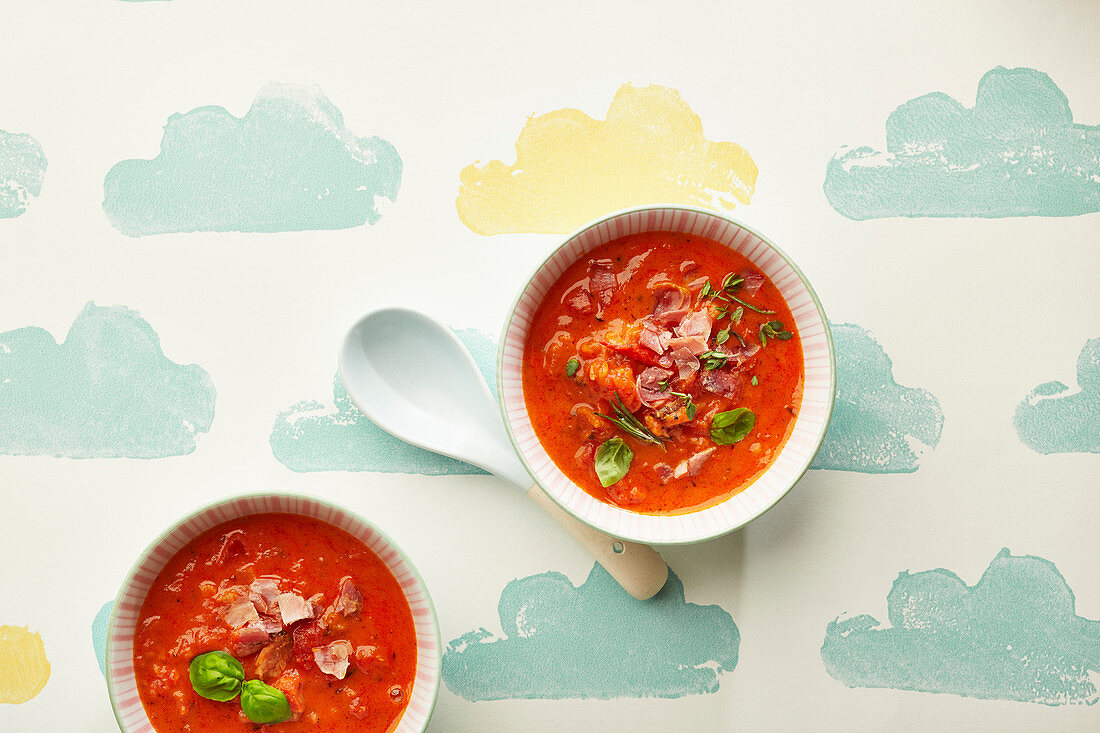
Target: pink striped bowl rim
810,426
120,631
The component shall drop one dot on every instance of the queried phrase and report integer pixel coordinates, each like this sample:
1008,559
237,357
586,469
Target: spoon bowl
412,377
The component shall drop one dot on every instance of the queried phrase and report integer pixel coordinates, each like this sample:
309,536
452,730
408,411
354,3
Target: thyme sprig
629,424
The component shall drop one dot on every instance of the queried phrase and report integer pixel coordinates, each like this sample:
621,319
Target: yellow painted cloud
24,668
571,168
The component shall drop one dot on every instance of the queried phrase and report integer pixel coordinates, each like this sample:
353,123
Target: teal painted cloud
1013,636
289,164
878,426
595,641
107,391
1016,152
310,436
99,635
1050,421
22,170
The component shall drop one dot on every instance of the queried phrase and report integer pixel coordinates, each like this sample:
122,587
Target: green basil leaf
784,335
691,410
731,427
571,367
613,461
216,676
263,703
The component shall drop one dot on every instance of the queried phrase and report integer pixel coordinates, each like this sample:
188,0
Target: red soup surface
657,340
303,605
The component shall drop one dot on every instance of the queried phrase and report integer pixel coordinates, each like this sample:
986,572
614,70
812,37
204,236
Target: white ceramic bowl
120,630
793,459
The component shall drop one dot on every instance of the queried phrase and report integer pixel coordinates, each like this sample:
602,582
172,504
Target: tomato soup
301,605
663,372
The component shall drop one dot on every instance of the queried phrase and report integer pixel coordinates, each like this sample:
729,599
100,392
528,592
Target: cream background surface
976,311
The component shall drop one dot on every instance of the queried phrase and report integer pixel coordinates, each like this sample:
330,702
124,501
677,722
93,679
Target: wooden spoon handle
637,568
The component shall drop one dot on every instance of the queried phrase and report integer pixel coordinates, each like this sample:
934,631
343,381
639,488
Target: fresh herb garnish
732,281
731,427
713,359
722,336
629,424
773,329
754,380
613,461
216,676
663,384
706,291
736,316
750,306
571,367
263,703
689,404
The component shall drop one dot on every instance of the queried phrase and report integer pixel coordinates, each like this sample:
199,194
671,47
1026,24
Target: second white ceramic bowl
121,628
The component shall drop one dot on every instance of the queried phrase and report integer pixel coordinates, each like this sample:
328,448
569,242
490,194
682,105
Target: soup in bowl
667,375
278,611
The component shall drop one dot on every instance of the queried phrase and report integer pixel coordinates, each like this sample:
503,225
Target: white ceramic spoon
411,376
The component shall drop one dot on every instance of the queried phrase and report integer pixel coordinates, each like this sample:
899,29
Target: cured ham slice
246,641
333,658
753,281
241,612
721,382
273,658
691,466
685,361
263,593
601,283
696,326
292,607
648,386
693,344
350,600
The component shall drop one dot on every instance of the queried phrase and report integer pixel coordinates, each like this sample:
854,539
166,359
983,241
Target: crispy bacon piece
273,658
671,413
